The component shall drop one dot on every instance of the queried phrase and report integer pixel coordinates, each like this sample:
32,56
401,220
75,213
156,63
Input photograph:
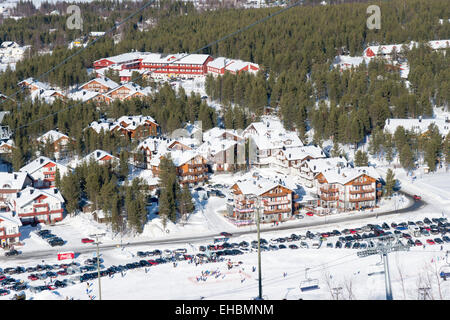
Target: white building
43,171
41,205
9,228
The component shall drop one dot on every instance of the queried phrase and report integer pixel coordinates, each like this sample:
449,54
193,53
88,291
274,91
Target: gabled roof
345,175
257,186
38,163
9,218
28,194
98,155
300,153
51,135
13,181
103,81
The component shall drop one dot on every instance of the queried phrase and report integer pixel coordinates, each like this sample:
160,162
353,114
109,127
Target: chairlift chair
309,284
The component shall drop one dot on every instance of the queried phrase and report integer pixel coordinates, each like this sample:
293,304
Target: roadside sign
66,255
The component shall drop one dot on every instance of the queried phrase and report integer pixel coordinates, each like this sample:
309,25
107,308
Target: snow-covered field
283,270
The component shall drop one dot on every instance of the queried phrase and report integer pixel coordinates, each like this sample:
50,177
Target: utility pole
259,250
98,262
385,245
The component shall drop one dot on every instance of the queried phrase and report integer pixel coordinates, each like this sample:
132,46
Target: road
51,253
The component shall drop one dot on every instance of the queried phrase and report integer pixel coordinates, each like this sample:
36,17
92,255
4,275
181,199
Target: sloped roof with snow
97,155
8,218
13,181
299,153
417,125
257,186
38,163
103,81
51,135
28,194
322,164
345,175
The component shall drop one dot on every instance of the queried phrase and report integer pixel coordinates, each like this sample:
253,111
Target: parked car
12,252
309,213
293,246
87,240
226,234
430,241
416,197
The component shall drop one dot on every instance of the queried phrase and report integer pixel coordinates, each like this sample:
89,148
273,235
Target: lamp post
98,262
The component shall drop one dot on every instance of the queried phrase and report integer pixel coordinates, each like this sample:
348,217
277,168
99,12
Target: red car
2,277
429,241
352,231
309,213
226,234
4,292
62,272
418,243
416,197
33,277
86,240
51,287
152,262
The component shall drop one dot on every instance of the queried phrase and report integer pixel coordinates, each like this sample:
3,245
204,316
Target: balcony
362,183
275,203
286,210
362,199
196,165
362,191
329,189
329,197
193,173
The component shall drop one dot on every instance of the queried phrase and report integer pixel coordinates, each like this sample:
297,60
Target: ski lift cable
172,61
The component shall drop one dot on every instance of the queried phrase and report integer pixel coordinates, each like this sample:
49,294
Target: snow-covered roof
38,84
124,57
216,132
219,63
346,62
179,58
103,81
345,175
38,163
51,135
9,218
13,181
417,125
28,194
270,134
179,157
214,146
258,186
300,153
236,65
83,95
98,155
322,164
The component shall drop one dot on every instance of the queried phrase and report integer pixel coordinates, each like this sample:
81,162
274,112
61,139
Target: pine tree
361,159
390,183
406,158
185,203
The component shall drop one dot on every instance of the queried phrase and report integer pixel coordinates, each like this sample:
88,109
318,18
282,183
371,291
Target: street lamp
98,262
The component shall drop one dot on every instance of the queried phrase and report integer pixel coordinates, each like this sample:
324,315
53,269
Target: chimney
15,176
41,161
420,119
